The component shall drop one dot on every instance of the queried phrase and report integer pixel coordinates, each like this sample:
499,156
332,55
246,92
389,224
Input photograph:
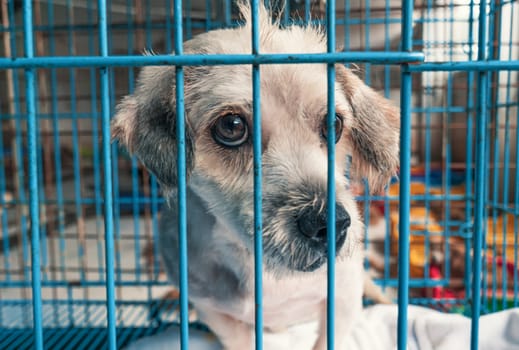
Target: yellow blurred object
418,188
419,222
496,230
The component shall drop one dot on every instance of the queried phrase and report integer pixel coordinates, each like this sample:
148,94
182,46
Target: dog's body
221,281
220,230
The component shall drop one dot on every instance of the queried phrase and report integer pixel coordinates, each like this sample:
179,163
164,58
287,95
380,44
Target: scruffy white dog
218,112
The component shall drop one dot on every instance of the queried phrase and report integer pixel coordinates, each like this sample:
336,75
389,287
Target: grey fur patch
375,132
208,273
145,123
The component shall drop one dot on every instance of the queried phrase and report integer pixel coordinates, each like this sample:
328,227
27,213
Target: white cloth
376,330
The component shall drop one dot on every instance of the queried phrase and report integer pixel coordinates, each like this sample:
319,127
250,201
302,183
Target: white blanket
376,330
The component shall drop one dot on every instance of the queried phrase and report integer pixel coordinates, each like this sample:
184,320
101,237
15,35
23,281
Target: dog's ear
374,131
145,123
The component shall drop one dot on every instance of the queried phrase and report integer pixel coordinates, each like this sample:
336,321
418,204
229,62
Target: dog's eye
230,130
338,128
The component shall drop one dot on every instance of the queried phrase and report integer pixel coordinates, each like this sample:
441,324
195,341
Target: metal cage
78,216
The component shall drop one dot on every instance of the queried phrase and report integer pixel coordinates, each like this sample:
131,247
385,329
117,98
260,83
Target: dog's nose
313,225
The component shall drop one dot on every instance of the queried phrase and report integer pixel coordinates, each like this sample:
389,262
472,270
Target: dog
218,119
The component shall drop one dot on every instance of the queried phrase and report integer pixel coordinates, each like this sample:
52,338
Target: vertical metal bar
227,13
506,154
18,151
427,77
116,212
479,225
181,168
169,28
330,127
493,37
59,259
154,198
148,25
405,178
307,12
468,156
189,21
366,203
208,15
136,204
107,166
448,152
43,201
486,275
136,199
256,139
3,206
8,31
152,193
3,215
427,200
95,139
76,141
404,209
33,177
516,206
387,47
506,175
347,25
367,39
57,142
515,277
286,12
43,141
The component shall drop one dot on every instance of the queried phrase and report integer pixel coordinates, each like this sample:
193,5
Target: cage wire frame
410,62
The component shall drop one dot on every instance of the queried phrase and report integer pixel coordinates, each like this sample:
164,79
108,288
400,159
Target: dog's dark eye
338,128
230,130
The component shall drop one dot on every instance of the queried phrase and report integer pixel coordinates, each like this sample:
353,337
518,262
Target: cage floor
80,326
72,338
73,305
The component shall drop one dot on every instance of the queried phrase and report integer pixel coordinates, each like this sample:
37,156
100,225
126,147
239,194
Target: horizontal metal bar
89,302
211,60
417,197
465,66
122,200
202,24
126,200
416,283
441,301
79,284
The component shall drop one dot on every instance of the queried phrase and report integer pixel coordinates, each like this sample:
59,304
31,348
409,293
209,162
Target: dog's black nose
313,224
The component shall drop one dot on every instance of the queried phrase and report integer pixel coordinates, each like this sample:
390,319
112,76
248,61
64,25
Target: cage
79,267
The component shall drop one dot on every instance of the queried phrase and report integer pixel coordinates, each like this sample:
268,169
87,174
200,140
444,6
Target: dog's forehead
291,89
288,91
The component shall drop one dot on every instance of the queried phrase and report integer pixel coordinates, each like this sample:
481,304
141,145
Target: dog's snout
313,224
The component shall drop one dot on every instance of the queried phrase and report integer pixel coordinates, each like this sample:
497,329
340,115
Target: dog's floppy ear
374,131
145,123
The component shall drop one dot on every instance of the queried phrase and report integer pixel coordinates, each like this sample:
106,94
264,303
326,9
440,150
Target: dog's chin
320,257
319,261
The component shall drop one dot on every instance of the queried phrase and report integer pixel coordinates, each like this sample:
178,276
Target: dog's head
218,115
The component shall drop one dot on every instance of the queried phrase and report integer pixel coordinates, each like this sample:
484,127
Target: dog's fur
220,182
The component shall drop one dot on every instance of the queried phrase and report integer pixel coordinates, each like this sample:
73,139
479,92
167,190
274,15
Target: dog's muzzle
312,224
